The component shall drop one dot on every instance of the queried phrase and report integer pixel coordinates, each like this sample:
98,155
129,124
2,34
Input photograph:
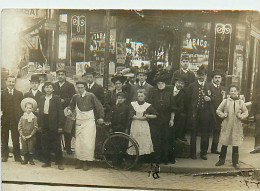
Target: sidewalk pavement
190,166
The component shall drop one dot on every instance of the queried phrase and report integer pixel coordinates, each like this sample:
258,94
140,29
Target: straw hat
28,100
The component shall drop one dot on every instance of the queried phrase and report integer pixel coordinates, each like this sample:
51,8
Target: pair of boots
82,165
223,154
28,158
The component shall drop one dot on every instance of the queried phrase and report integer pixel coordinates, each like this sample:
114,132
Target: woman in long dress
232,110
140,112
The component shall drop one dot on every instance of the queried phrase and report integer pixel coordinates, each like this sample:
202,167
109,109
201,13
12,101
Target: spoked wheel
120,151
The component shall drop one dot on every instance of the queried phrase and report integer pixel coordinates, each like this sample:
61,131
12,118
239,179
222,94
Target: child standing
140,112
232,110
27,128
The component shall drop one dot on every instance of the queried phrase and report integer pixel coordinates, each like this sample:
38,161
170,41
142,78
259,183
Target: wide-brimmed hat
161,78
216,72
34,78
28,100
48,83
89,70
120,78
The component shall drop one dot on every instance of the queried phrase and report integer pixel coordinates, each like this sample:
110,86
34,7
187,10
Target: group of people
155,116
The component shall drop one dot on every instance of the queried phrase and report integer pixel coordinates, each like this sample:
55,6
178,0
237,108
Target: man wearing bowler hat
199,97
218,93
35,93
11,113
92,86
65,90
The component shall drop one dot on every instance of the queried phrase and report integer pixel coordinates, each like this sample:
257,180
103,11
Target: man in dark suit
65,90
218,93
184,73
142,84
11,113
35,93
92,86
199,96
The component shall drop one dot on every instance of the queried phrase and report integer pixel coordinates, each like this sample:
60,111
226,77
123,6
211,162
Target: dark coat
56,115
10,106
36,97
66,91
188,77
98,91
120,117
194,94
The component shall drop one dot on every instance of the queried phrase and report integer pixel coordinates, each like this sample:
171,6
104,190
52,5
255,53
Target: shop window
196,43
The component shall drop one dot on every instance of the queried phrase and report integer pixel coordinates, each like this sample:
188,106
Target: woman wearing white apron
88,108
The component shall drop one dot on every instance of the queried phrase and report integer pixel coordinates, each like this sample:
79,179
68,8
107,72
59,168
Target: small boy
120,114
50,124
27,128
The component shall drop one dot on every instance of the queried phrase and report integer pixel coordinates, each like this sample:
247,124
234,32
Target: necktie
10,92
141,84
88,86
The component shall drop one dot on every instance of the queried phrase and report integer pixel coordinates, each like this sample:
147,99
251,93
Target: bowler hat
34,78
81,82
179,80
202,70
120,78
28,100
216,72
61,70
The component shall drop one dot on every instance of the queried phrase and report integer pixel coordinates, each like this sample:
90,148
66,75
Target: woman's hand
100,121
225,115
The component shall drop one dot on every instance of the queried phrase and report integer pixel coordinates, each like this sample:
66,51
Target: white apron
140,131
85,135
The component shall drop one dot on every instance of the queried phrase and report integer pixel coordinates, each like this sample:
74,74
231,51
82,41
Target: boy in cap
27,128
142,84
199,97
50,124
65,90
218,93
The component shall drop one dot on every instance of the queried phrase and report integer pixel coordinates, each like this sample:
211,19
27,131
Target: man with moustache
11,113
199,97
218,93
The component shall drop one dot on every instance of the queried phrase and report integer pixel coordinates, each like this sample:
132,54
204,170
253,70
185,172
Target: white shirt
201,83
141,84
84,94
175,91
91,85
11,91
185,71
61,84
46,105
215,85
34,92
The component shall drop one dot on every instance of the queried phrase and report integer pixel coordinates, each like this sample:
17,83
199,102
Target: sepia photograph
130,99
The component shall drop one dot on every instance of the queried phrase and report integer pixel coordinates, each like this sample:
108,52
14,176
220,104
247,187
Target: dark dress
163,135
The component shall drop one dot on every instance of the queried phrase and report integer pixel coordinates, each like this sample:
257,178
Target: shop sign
62,46
80,67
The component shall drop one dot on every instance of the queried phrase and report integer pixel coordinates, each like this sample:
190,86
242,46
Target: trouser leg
204,142
16,143
46,146
67,137
223,153
4,141
171,148
235,155
57,147
215,140
193,140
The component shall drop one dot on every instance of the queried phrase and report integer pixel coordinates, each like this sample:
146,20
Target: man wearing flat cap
199,97
142,84
218,93
92,86
65,90
36,94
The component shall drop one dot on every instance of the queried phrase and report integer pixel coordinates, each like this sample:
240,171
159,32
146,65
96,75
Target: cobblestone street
104,177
